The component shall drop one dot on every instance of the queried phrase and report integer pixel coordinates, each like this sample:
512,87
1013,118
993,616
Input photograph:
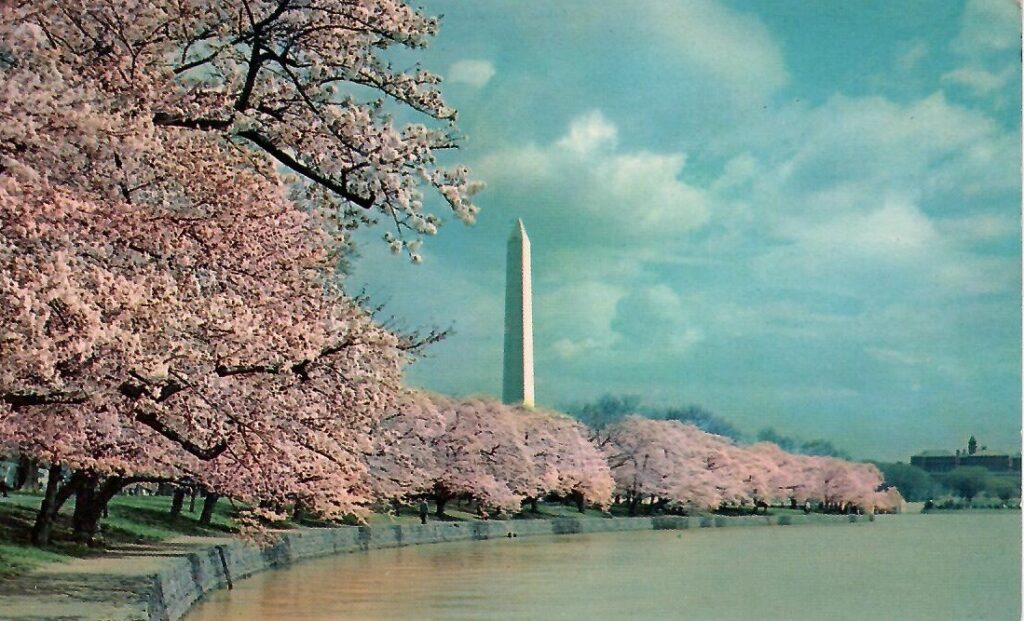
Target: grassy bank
132,520
140,520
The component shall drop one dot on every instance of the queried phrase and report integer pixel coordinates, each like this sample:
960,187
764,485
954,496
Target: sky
799,215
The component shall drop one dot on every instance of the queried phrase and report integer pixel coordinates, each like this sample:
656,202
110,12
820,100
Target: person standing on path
424,510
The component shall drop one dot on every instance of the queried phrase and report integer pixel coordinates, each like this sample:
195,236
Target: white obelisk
517,387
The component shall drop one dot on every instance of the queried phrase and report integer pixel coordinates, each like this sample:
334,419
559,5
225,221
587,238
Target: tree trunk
176,502
297,513
633,502
533,505
580,500
192,500
21,472
91,504
208,504
441,502
32,483
660,506
83,502
86,520
48,511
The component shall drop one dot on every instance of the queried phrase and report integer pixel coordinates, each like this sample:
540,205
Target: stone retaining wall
167,590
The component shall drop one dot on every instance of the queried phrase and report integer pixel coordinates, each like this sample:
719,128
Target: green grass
409,514
549,510
146,520
454,512
131,520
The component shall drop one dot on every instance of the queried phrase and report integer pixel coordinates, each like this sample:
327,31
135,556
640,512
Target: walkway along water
161,583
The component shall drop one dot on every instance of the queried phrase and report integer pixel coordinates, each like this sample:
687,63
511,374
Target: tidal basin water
934,567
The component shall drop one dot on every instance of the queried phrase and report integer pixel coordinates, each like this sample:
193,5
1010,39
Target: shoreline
164,582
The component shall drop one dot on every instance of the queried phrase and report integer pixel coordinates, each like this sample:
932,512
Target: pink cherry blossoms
177,183
670,464
479,449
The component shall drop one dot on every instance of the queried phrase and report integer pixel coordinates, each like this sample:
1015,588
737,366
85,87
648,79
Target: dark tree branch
255,60
151,420
300,368
196,63
414,342
21,399
261,141
170,120
224,370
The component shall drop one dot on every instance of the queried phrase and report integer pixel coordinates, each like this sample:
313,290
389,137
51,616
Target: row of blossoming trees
178,182
503,456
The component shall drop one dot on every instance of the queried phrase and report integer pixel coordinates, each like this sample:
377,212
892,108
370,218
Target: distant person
424,510
807,506
928,505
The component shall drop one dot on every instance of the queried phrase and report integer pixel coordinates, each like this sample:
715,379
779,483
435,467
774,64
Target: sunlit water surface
958,566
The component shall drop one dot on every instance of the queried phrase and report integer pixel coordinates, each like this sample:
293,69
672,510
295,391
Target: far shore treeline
955,489
179,187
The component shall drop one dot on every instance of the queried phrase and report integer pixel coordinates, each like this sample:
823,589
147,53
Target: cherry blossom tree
177,181
455,448
888,500
674,465
784,473
481,449
656,459
405,463
565,462
306,84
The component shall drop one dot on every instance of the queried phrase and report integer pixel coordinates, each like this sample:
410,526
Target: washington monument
517,384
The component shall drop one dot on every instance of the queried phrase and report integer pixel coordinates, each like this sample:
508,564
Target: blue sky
802,215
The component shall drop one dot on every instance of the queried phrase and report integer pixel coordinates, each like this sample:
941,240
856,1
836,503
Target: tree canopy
968,481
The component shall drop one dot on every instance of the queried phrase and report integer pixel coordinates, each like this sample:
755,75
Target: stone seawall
163,586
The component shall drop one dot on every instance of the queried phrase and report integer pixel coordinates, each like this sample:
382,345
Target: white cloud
965,274
981,227
654,318
989,26
731,46
913,55
851,152
978,80
873,200
588,133
566,348
894,231
584,180
580,313
475,73
989,43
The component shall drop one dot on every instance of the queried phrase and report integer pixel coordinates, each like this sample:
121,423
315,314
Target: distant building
937,462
